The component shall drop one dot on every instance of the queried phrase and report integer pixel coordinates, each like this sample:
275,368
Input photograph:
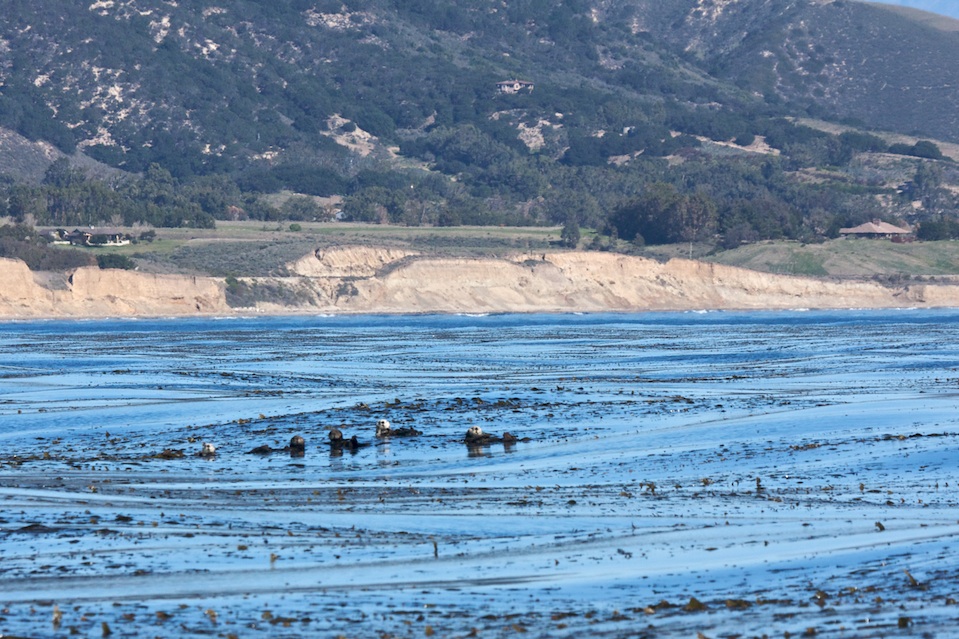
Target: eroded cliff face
347,261
372,280
92,292
579,281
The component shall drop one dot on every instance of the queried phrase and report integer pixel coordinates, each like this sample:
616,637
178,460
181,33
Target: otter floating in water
337,443
207,451
296,448
261,450
383,429
476,437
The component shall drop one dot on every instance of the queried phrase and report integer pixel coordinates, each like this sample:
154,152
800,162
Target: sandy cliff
580,281
348,261
369,280
91,292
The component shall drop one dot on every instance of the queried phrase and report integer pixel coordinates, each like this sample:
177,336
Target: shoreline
294,314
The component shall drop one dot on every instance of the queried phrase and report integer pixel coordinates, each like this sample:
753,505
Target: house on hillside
79,238
514,86
98,237
876,229
56,236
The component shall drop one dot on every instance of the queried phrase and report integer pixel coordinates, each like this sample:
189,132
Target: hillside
248,78
874,63
646,121
850,259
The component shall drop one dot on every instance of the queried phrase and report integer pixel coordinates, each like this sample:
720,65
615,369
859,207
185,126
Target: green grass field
262,249
847,258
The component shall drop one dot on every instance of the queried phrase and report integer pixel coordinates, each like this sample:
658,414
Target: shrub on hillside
932,230
112,260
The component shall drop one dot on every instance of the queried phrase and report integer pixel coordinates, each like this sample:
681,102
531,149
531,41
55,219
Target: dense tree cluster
66,198
662,215
939,229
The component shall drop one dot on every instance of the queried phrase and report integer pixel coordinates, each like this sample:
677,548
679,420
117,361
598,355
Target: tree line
737,199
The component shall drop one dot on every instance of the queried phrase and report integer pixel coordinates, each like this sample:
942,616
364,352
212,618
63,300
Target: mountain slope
659,121
878,64
127,80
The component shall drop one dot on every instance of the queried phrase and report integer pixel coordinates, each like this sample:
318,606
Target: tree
662,215
375,204
926,149
562,203
928,178
648,215
921,149
695,217
942,229
860,142
61,175
570,234
926,186
302,208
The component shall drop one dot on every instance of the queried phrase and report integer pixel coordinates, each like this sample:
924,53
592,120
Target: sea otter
260,450
338,443
476,437
383,429
296,448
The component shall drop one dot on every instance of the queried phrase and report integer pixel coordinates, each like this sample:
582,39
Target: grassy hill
849,258
264,249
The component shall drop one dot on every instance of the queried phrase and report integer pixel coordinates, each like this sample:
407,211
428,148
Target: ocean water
726,473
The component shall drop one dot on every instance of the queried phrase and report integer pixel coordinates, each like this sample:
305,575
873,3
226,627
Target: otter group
338,443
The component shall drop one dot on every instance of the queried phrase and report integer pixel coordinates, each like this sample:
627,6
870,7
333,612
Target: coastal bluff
92,292
373,280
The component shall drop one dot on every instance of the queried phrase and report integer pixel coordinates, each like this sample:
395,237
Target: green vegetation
849,258
383,112
237,250
24,243
114,260
243,294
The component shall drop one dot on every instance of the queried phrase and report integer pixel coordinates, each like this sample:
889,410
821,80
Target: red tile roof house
875,229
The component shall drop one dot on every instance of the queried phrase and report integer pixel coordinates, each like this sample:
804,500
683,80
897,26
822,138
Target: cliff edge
92,292
372,280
